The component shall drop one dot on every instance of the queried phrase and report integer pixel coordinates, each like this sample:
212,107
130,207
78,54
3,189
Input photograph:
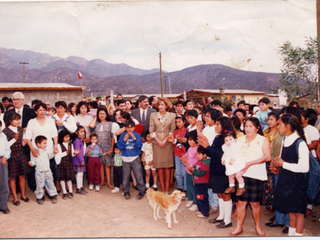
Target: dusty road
103,214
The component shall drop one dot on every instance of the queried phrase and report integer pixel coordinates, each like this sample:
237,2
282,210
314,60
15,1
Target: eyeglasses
16,99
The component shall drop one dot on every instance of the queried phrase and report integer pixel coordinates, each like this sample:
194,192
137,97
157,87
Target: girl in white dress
234,162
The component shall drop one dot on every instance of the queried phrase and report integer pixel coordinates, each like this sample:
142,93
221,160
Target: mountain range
100,77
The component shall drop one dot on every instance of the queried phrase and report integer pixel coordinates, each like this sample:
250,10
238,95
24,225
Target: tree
299,73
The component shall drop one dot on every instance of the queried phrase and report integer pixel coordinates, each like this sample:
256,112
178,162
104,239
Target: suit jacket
135,113
162,131
27,114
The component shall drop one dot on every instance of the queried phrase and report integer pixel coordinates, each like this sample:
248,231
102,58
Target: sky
244,35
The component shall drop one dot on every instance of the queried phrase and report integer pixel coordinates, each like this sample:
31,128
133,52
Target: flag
79,75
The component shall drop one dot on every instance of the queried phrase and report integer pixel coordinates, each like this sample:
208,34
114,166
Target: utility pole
161,74
24,70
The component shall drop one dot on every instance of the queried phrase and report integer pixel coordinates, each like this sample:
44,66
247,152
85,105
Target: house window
234,98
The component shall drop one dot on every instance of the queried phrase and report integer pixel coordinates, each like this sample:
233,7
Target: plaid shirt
42,162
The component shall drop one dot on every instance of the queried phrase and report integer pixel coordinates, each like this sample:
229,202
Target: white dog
169,203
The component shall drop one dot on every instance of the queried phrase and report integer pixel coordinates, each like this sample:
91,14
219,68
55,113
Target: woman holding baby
256,151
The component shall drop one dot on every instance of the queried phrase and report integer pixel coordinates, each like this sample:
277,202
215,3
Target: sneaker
97,188
79,191
39,201
140,195
193,208
90,186
127,195
54,199
115,190
65,196
70,195
189,204
84,190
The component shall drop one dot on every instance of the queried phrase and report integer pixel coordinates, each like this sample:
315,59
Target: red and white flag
79,75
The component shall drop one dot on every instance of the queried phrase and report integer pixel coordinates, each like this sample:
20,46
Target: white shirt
84,120
61,154
303,162
5,150
21,112
48,130
311,134
209,133
145,114
70,124
13,140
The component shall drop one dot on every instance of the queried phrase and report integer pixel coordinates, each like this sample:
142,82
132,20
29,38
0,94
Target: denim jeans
45,179
213,199
180,174
135,165
280,218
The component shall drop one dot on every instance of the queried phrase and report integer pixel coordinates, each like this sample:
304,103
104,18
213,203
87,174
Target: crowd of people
224,158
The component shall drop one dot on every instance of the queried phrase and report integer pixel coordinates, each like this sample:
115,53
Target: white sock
79,180
221,209
70,186
299,234
292,231
231,185
63,186
227,211
241,185
155,186
147,185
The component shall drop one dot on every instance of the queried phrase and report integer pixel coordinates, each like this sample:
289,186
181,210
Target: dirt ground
107,215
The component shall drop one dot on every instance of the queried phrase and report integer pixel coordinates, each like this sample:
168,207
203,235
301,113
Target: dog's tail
149,192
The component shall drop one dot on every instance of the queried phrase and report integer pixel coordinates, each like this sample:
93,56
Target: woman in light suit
162,125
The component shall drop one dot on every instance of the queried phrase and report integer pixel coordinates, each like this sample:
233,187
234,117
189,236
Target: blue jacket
130,148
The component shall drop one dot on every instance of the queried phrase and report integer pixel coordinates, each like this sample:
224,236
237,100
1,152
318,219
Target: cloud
188,33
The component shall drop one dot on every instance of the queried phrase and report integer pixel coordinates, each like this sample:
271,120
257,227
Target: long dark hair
227,127
294,123
10,117
255,122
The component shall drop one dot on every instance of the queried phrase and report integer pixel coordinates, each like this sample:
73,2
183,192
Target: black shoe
65,196
70,195
215,220
5,211
180,189
285,230
127,195
223,225
135,187
271,224
140,195
43,198
17,203
25,199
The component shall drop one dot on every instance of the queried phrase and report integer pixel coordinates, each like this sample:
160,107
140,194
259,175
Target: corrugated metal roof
231,91
38,86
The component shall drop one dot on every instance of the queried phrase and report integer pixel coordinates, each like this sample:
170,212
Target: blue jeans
45,179
213,199
135,165
280,218
180,174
